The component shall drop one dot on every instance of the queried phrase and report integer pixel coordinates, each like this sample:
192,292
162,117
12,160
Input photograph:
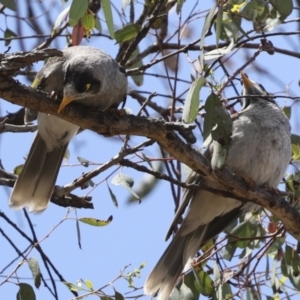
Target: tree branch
110,124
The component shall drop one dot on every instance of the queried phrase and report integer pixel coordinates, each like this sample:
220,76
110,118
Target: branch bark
110,124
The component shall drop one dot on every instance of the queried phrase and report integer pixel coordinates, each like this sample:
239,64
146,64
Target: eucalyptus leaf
25,292
11,4
77,10
125,181
191,105
106,6
126,33
35,271
96,222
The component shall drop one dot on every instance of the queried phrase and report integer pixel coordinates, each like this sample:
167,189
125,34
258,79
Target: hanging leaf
108,17
287,110
96,222
125,3
88,23
125,181
284,7
118,296
216,53
113,197
7,35
89,284
18,169
138,79
191,104
78,233
179,5
25,292
127,32
61,17
11,4
83,161
217,124
35,271
205,28
203,283
219,25
77,10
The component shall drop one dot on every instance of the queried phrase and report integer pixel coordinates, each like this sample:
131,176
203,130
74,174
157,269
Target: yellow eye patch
87,86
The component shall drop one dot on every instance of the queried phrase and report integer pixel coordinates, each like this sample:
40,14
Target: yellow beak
66,100
246,81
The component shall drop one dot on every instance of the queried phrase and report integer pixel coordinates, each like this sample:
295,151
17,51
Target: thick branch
110,124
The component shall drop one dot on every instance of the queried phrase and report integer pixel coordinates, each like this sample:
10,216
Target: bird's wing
188,195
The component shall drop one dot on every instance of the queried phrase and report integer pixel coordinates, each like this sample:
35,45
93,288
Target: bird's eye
87,87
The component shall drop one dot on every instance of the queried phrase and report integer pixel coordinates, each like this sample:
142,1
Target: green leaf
189,280
216,273
217,124
292,263
186,293
205,28
88,21
108,17
274,280
77,10
219,157
179,5
191,105
35,271
127,32
25,292
125,3
83,161
216,114
241,230
125,181
295,139
219,24
296,152
89,284
284,7
11,4
219,52
229,251
61,17
96,222
203,283
67,154
287,111
224,292
7,35
78,233
18,169
118,296
138,79
98,24
278,242
72,287
113,197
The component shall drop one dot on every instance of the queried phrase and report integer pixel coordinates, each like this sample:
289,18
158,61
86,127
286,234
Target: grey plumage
86,75
259,148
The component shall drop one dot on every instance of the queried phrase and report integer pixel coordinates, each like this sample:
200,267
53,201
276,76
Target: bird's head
252,88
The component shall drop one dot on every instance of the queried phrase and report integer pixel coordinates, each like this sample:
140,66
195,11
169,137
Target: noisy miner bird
83,74
260,148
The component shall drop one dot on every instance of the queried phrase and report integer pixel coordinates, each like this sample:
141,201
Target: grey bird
83,74
260,148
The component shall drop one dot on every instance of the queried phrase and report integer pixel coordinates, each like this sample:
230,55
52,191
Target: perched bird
260,148
83,74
